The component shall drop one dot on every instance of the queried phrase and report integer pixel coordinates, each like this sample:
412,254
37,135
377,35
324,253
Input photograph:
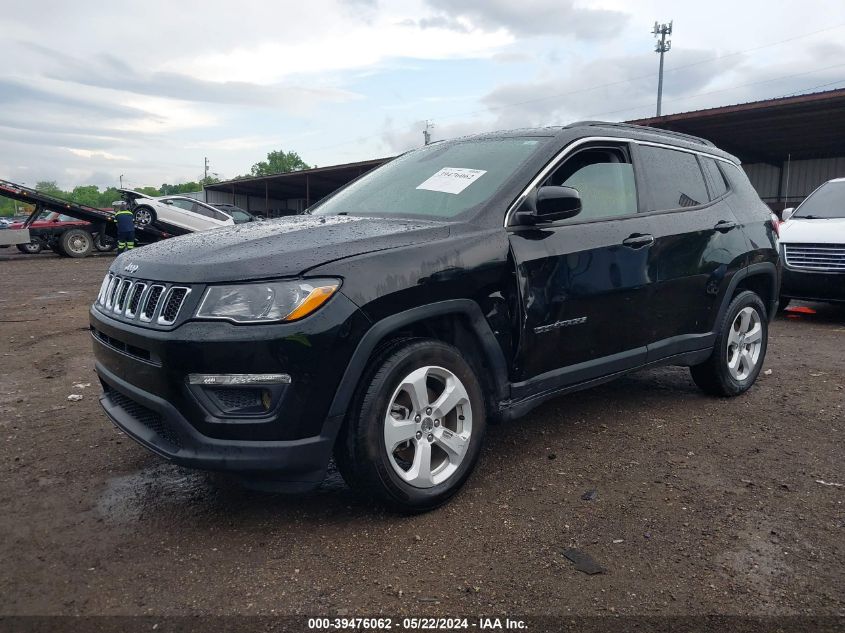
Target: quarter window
674,178
604,177
718,186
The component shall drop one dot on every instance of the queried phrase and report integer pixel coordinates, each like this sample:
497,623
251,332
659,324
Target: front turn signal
317,297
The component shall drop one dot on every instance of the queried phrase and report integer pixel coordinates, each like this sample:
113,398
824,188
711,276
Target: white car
181,212
812,239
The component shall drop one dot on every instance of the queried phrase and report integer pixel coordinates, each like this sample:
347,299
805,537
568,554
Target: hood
798,231
276,248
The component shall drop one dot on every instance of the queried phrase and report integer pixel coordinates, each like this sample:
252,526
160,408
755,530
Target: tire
783,303
104,243
76,243
144,216
745,317
398,478
32,248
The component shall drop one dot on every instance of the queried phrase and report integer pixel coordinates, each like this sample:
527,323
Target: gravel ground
701,505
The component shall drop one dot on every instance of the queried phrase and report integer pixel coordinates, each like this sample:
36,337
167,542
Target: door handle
638,240
723,226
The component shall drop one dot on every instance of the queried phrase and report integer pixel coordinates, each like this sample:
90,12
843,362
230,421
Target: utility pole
663,45
427,131
205,175
121,181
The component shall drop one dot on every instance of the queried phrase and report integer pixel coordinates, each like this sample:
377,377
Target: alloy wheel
745,340
143,217
428,426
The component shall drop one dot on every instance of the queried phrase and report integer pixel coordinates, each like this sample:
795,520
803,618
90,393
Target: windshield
438,181
828,201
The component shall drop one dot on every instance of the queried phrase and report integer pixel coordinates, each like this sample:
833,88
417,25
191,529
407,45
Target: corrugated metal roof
804,126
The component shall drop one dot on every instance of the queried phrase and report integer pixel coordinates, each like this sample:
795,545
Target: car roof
579,129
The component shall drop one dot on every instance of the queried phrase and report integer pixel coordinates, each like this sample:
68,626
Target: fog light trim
238,379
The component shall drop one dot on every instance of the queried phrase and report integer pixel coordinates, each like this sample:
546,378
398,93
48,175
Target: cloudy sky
90,90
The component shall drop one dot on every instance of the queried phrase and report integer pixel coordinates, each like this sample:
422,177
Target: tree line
277,162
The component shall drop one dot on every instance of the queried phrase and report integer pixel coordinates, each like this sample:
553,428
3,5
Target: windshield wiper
810,217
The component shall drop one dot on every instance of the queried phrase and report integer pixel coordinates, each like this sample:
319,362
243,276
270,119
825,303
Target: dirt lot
703,505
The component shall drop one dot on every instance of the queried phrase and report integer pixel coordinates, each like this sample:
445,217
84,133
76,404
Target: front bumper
147,395
159,427
813,286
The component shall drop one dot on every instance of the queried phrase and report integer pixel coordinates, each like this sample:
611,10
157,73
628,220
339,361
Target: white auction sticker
452,179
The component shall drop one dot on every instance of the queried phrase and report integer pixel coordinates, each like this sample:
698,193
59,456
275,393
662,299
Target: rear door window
674,178
186,205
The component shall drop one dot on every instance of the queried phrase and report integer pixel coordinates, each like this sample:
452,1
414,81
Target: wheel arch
459,322
763,279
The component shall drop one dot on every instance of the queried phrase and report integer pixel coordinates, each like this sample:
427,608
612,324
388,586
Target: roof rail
657,130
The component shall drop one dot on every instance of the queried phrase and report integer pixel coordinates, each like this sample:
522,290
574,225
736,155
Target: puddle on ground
163,488
128,497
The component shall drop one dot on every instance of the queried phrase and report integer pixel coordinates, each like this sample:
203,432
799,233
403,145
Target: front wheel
739,351
415,430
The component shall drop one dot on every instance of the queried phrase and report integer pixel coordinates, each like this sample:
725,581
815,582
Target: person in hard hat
125,229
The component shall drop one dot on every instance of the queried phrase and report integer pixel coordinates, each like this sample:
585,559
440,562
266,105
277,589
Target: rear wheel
415,430
144,216
739,351
76,243
32,248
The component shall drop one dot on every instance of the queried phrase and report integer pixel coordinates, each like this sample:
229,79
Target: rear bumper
159,427
813,286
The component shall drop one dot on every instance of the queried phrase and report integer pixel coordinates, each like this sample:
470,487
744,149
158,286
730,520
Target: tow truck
76,241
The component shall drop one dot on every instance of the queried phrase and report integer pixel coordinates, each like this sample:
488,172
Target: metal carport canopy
805,126
309,184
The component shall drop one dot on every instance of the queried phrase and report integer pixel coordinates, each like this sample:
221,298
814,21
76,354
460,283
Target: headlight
268,301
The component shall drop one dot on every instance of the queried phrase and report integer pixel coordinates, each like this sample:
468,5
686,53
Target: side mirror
787,213
549,204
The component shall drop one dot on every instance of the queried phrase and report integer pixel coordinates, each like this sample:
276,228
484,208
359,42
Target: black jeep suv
463,282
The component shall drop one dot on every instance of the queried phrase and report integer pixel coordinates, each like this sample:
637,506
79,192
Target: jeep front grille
172,305
135,298
151,304
819,257
145,301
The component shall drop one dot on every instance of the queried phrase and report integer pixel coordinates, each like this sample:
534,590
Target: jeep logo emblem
130,268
